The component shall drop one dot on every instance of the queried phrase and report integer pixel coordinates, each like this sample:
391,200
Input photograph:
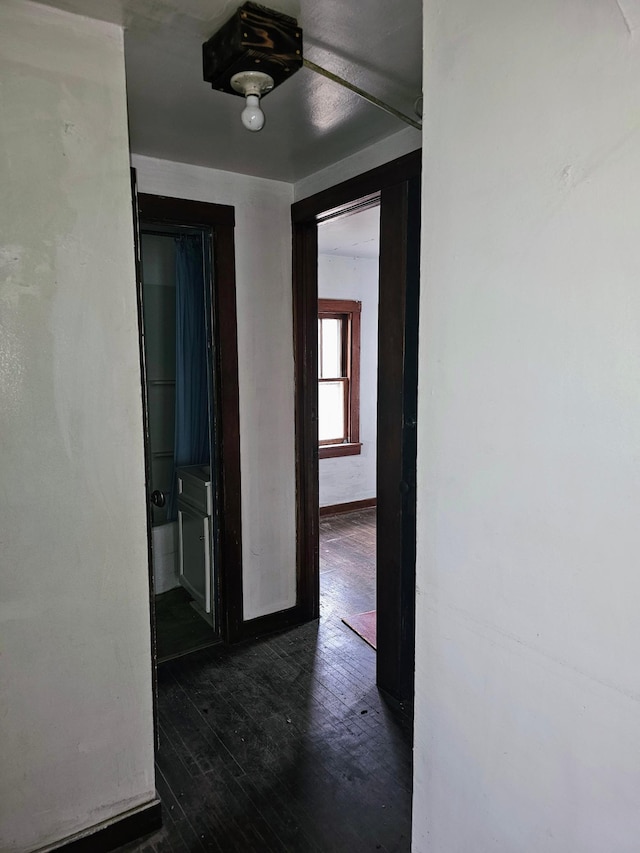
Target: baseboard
252,629
336,509
113,833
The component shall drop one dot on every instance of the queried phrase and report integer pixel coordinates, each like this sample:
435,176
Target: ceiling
311,122
353,236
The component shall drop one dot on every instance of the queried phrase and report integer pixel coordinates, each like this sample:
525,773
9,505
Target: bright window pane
331,420
331,362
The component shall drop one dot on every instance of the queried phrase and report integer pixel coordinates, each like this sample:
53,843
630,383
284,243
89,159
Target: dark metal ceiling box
254,39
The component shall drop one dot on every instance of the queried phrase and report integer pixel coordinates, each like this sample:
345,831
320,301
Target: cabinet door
195,556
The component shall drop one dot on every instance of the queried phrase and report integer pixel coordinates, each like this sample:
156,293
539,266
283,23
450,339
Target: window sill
326,451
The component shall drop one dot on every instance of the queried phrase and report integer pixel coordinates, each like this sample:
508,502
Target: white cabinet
195,526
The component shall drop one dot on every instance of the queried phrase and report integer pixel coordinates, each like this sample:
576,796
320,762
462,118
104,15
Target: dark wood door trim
397,420
219,221
147,454
394,183
329,203
305,326
184,211
228,415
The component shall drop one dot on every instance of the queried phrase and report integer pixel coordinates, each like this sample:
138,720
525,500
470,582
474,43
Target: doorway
194,492
396,187
348,263
178,345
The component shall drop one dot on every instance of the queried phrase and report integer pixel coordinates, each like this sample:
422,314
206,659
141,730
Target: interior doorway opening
189,369
176,284
396,188
348,263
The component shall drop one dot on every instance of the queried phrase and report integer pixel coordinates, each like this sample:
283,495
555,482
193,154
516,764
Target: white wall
353,478
527,676
265,366
403,142
77,727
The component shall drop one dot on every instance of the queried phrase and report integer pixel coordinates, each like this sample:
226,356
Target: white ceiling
310,121
353,236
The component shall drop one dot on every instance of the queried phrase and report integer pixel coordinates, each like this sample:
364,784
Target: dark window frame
349,312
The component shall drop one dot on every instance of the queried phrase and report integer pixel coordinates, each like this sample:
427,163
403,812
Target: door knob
158,498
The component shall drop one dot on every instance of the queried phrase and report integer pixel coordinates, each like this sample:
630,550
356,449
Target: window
338,377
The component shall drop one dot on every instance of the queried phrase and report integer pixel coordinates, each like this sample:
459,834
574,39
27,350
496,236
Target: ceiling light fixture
253,85
257,36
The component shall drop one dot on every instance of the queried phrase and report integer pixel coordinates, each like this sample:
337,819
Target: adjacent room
348,260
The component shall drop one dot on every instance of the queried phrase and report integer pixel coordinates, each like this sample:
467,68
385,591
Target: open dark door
396,452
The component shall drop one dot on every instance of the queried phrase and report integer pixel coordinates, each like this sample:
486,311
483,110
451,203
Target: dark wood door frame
397,435
397,186
218,221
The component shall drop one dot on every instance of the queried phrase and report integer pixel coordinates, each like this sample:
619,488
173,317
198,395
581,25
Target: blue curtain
191,445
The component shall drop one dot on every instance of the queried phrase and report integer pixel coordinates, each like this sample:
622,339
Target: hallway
285,744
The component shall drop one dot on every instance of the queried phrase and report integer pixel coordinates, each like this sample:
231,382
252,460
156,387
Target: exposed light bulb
252,116
252,84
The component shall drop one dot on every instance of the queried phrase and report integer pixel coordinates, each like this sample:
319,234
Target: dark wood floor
179,628
286,744
348,564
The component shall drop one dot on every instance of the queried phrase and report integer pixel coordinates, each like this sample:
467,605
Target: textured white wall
265,366
76,719
353,478
527,731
